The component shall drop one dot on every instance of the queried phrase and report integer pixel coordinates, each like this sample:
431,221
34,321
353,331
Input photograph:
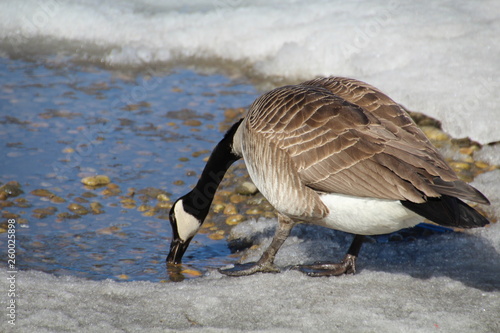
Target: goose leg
346,266
266,261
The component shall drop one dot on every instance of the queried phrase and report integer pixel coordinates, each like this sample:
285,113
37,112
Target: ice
439,58
489,184
489,154
448,282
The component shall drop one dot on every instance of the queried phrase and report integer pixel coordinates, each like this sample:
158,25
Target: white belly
366,216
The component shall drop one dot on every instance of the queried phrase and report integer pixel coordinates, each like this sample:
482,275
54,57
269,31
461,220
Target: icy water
149,132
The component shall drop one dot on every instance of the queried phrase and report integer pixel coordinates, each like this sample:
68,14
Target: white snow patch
447,282
489,154
489,184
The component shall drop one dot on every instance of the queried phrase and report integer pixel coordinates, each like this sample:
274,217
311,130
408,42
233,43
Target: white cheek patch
187,224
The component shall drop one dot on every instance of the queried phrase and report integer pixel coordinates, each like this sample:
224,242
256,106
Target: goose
334,152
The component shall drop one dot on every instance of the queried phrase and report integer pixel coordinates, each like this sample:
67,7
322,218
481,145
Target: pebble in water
80,200
192,122
96,208
128,203
230,209
150,212
237,198
111,190
144,208
108,230
78,209
41,213
191,272
57,199
246,188
162,197
218,207
43,193
164,205
153,193
4,204
235,219
66,216
96,180
458,166
22,203
254,211
9,190
48,194
231,114
218,235
435,134
200,152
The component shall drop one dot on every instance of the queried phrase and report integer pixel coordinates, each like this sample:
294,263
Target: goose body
366,216
334,152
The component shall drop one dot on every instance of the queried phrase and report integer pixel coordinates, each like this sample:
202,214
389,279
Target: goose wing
344,136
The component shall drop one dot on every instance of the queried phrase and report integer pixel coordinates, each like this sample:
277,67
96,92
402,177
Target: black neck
198,201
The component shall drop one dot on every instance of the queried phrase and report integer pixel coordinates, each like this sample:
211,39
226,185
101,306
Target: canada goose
334,152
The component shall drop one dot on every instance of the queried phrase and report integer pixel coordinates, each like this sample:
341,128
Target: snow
489,183
439,57
488,154
447,282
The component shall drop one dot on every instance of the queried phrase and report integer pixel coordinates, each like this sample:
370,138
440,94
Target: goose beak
177,249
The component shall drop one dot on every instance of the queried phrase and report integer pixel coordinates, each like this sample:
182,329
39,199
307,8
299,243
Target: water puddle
149,133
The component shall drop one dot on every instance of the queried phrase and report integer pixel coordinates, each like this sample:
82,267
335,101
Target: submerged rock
96,180
48,194
78,209
153,193
246,188
44,212
111,190
9,190
235,219
43,193
96,208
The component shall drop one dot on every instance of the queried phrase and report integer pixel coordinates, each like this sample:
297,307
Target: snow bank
448,282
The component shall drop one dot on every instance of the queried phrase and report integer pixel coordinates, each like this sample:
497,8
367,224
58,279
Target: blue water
59,124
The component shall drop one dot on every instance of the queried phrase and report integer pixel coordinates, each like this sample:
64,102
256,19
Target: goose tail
448,211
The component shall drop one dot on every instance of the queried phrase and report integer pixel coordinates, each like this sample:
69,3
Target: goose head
184,226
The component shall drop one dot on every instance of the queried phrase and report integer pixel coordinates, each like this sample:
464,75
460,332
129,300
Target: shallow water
147,131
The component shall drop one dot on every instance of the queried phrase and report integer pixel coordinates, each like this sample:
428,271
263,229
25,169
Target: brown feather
345,136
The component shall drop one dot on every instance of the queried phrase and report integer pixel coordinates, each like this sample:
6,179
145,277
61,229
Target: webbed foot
250,268
346,266
266,261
